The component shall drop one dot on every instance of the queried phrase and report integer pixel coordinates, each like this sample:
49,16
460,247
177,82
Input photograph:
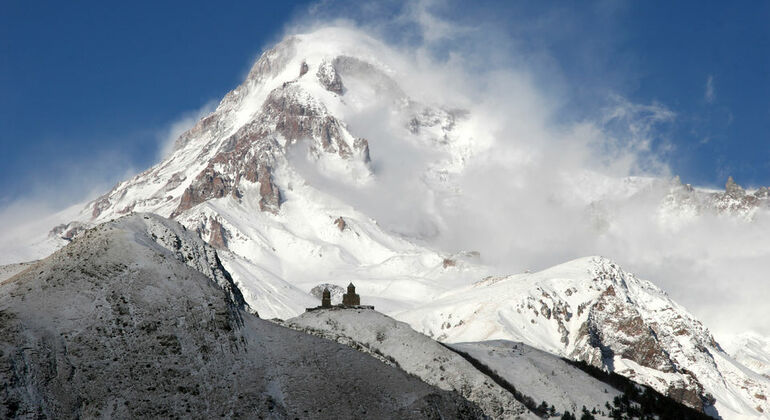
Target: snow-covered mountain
245,178
592,310
280,181
137,318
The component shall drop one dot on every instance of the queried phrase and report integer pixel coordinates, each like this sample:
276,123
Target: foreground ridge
120,323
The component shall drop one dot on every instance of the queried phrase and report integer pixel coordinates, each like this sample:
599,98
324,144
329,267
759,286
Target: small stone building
326,298
351,298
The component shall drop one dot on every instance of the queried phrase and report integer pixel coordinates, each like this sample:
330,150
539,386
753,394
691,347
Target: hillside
397,343
592,310
124,323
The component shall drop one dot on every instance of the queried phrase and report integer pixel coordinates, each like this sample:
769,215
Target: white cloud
54,199
710,94
547,186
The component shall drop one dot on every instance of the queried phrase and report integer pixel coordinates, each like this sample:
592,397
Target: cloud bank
548,178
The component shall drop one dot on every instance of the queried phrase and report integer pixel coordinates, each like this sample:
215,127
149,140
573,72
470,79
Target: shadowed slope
120,324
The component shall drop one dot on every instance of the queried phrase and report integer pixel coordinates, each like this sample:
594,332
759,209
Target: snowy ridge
414,353
591,310
544,376
120,323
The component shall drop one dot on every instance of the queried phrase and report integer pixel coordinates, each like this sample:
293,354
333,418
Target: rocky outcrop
617,328
303,68
592,311
734,190
217,234
329,78
269,194
297,118
734,201
341,224
251,152
68,231
361,146
99,205
207,185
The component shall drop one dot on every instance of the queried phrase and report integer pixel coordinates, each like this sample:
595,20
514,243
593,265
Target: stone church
349,300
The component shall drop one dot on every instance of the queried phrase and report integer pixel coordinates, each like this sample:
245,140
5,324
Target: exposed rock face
303,69
270,195
207,185
361,145
235,149
591,310
217,234
99,205
341,224
119,324
611,320
735,201
297,117
733,190
68,231
615,328
375,77
328,77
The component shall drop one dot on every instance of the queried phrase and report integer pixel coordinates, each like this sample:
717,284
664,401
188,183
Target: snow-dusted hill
413,352
542,375
138,319
282,181
10,270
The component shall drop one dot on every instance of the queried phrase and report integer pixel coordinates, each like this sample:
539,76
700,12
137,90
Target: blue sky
87,89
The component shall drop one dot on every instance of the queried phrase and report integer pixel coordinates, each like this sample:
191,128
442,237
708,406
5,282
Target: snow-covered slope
752,350
10,270
413,352
121,323
591,310
246,178
543,376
